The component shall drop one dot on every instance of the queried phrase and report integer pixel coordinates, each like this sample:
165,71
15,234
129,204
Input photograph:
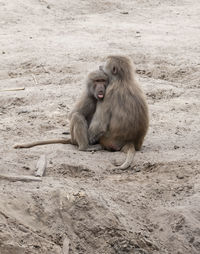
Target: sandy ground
48,47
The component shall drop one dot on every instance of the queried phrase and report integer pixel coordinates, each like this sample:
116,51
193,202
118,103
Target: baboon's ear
114,70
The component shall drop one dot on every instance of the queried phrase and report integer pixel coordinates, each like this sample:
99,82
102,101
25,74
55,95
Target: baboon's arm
99,123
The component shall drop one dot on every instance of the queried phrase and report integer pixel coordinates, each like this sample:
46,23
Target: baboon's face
100,89
98,82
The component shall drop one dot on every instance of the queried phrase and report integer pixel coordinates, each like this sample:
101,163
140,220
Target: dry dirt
48,47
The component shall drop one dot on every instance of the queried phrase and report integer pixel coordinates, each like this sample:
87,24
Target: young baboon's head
97,82
118,68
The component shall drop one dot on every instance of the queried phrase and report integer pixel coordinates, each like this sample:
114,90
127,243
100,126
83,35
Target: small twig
34,78
41,166
14,178
4,214
12,89
65,248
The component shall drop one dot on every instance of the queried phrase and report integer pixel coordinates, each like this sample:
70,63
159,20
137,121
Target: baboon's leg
79,131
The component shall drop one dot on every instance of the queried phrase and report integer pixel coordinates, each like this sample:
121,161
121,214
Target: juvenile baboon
82,113
121,120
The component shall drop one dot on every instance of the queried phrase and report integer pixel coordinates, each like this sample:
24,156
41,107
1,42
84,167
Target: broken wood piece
65,248
41,165
12,89
14,178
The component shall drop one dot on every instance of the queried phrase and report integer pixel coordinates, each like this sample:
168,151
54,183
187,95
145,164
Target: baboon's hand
93,138
94,135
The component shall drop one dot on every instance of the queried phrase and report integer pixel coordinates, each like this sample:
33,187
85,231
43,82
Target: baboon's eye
114,70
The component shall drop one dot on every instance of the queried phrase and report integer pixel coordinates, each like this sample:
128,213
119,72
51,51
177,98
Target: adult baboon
121,120
82,113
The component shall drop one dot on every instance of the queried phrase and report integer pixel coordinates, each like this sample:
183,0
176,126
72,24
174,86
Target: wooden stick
41,165
65,249
12,89
14,178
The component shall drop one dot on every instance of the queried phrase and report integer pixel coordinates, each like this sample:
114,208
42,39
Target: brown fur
121,120
81,115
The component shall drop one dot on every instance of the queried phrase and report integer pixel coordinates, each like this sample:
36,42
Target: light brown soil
48,47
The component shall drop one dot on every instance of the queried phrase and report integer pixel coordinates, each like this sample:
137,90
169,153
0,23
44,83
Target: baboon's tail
130,149
44,142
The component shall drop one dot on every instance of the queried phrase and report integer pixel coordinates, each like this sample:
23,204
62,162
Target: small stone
176,147
191,240
137,169
124,12
180,176
26,168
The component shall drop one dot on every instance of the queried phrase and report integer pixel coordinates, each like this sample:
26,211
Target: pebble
124,12
180,176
